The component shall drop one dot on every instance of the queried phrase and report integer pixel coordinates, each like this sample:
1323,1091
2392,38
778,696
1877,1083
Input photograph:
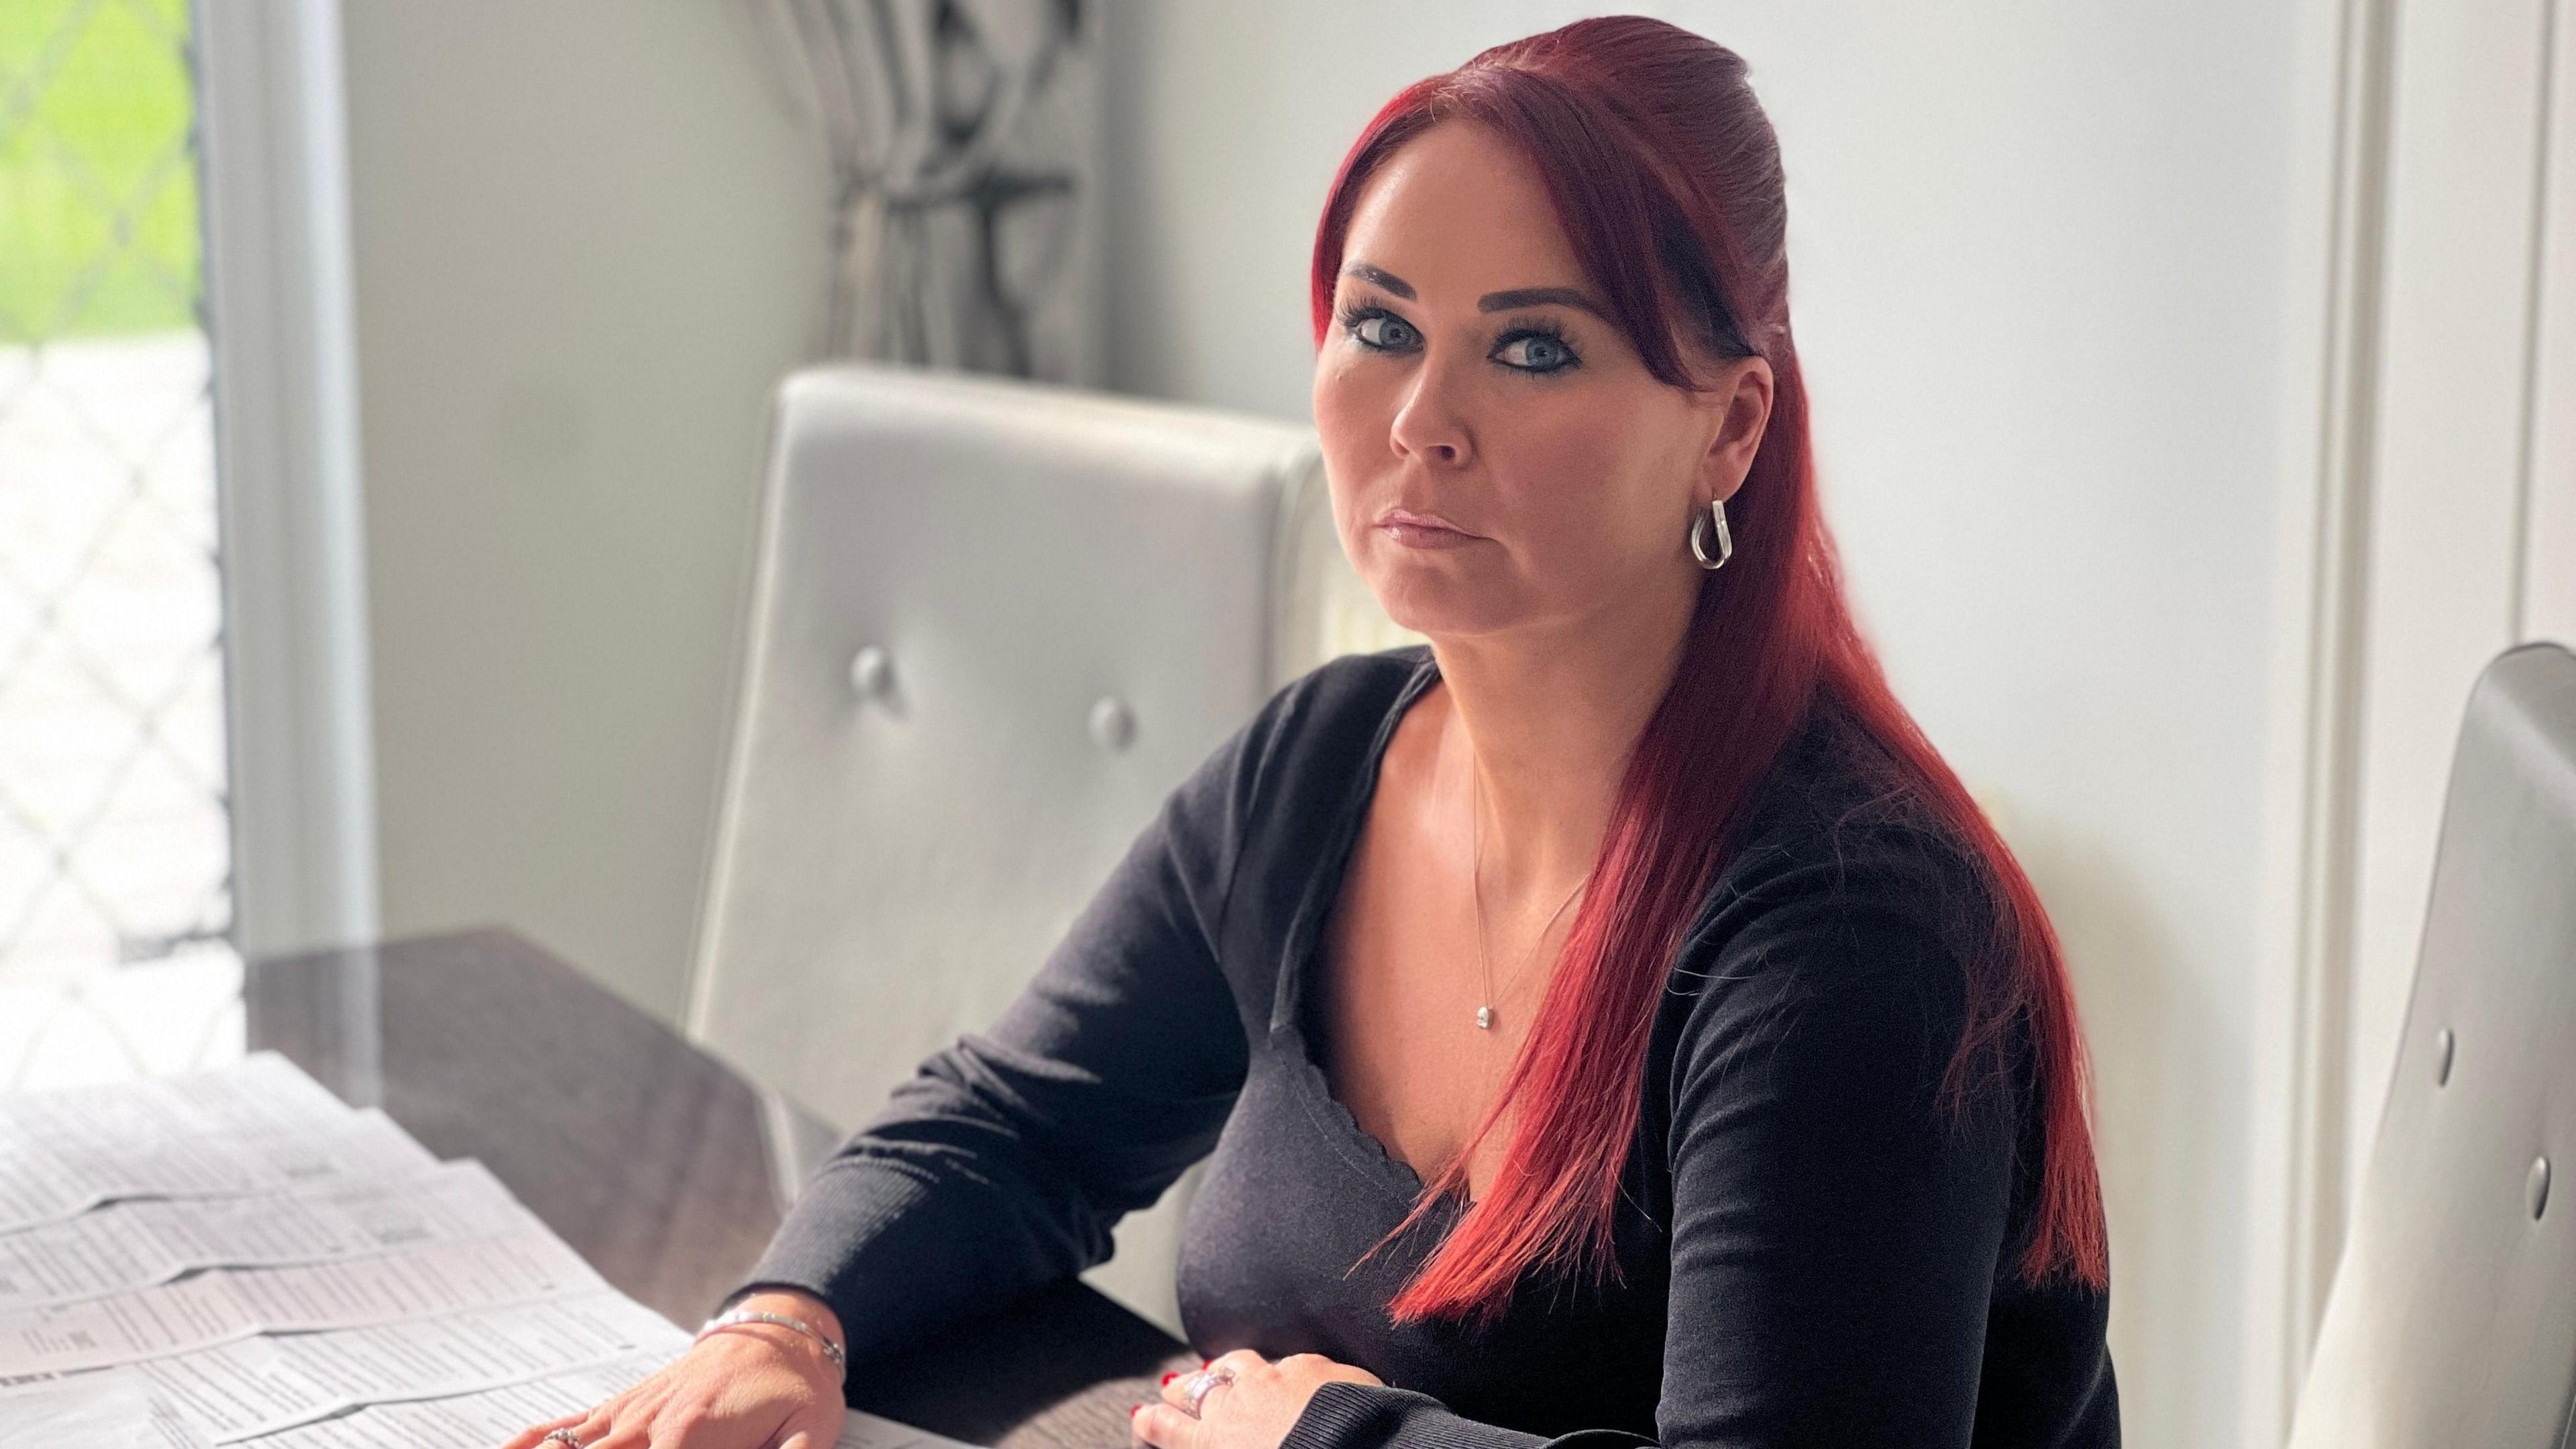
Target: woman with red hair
1611,1019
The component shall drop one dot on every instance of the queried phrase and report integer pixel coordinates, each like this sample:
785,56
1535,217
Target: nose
1429,423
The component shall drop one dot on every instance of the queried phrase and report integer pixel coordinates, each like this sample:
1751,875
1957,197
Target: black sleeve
1001,1165
1835,1235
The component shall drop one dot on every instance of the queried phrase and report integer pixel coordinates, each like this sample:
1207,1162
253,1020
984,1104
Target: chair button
2444,1046
1112,724
2535,1191
872,672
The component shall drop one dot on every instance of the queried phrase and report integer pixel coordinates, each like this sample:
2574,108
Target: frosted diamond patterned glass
114,826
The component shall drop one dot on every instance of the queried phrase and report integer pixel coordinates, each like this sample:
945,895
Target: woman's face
1470,380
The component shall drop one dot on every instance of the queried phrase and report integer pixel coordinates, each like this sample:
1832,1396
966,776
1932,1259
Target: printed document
135,1244
524,1266
236,1257
259,1126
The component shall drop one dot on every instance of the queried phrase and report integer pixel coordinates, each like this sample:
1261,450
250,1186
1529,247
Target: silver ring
1199,1384
564,1436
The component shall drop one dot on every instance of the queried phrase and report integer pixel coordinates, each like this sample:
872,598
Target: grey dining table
664,1167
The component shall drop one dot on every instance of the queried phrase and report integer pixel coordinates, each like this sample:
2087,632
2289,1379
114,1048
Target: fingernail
1132,1413
1167,1378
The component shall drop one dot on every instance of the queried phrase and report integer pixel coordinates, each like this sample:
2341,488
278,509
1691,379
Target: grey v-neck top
1810,1252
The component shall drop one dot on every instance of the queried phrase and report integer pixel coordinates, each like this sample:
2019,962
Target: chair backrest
994,625
2452,1319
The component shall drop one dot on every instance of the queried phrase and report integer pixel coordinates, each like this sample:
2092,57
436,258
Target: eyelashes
1541,345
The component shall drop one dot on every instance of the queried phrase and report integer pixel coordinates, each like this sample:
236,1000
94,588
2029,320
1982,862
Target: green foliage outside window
98,181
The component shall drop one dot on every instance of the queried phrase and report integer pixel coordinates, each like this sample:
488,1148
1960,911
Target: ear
1740,407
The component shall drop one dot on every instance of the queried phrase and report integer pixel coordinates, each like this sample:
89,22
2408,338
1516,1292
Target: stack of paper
238,1258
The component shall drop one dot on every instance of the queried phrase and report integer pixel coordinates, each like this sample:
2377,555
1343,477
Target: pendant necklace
1476,887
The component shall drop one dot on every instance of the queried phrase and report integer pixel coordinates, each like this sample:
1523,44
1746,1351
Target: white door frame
2320,593
2546,587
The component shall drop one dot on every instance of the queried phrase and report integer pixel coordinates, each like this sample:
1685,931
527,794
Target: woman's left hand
1255,1411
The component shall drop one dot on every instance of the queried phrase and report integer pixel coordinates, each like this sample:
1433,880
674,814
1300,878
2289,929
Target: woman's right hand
752,1386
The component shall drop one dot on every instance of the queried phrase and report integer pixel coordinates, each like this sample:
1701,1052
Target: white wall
588,243
2051,266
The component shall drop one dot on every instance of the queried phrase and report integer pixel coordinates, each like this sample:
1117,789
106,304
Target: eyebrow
1491,301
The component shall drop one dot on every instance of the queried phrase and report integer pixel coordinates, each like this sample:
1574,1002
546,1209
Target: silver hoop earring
1725,546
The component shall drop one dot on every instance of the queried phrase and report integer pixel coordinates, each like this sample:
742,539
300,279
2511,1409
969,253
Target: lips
1423,531
1408,519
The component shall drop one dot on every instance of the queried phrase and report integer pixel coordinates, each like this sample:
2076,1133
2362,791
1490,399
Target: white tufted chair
2452,1320
994,625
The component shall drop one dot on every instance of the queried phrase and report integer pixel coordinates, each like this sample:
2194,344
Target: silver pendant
1484,1018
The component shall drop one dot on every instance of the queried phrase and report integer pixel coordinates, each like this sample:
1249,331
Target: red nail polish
1167,1378
1132,1413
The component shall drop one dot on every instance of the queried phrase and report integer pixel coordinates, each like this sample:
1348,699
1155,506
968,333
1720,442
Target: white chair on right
2452,1320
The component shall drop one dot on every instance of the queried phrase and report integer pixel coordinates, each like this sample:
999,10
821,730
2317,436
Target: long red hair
1665,175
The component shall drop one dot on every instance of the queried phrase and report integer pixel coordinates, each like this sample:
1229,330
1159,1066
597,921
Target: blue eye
1382,331
1540,351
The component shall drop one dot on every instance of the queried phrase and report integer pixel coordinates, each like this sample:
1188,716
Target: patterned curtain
963,142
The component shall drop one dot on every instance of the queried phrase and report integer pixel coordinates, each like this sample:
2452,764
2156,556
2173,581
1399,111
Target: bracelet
833,1351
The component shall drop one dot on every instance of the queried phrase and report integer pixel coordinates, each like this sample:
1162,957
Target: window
114,822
